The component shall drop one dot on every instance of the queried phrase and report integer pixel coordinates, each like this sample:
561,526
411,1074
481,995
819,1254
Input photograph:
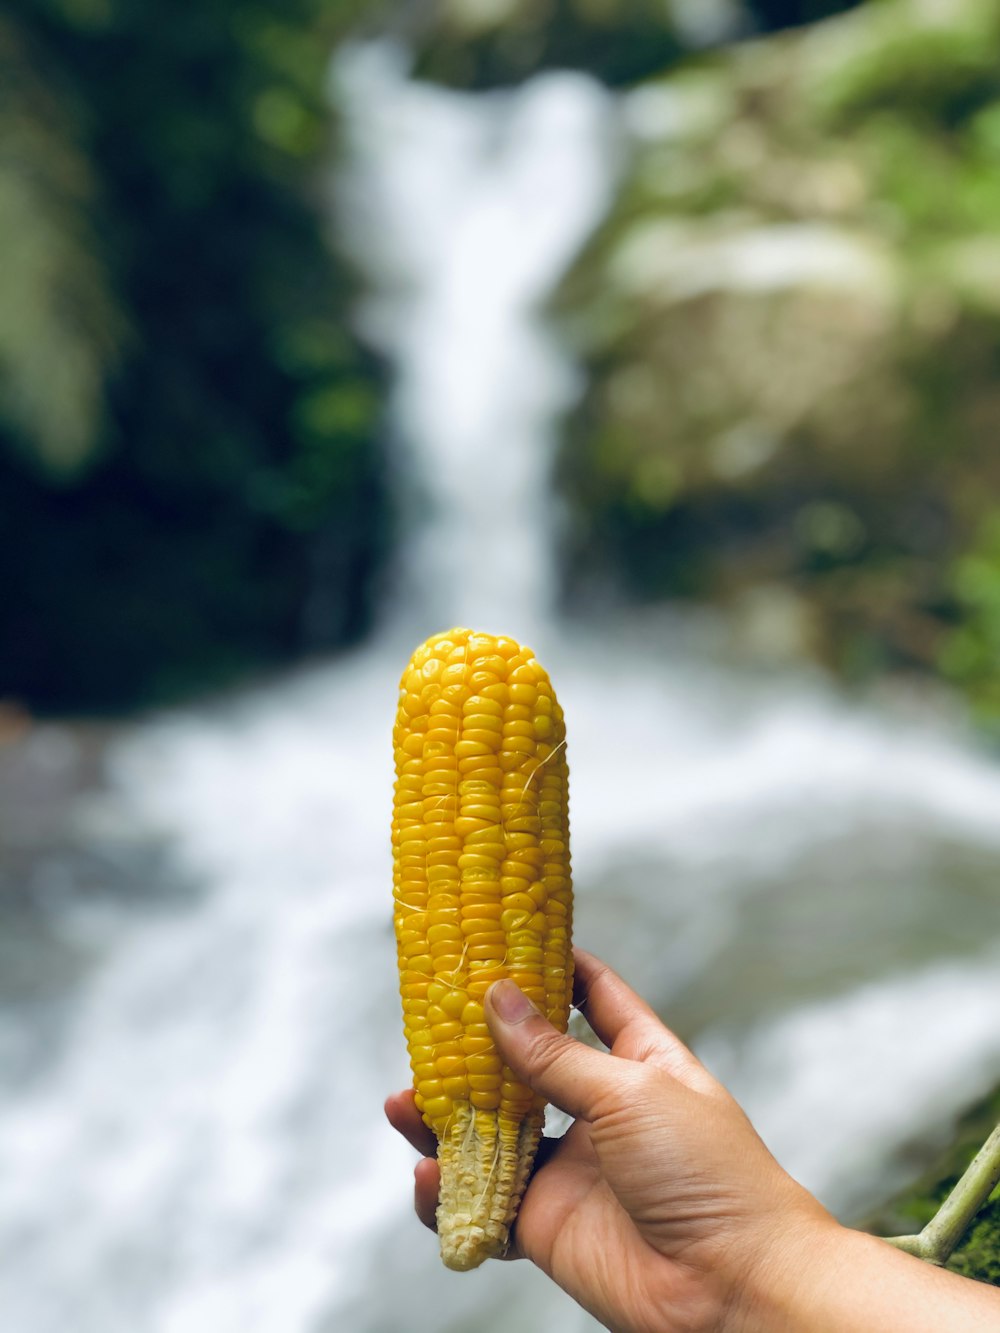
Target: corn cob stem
942,1234
484,1161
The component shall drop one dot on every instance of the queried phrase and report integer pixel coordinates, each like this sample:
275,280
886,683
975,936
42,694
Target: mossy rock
790,324
978,1255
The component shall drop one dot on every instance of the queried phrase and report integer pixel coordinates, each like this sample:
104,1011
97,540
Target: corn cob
481,883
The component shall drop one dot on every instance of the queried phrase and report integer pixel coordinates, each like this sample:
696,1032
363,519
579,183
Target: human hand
661,1207
661,1210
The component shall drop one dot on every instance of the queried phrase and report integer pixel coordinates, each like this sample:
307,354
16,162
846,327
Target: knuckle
629,1091
593,981
544,1047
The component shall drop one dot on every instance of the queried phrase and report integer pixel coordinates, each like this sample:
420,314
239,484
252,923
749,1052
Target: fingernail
510,1002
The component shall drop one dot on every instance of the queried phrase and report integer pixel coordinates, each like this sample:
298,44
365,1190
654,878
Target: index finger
608,1003
628,1026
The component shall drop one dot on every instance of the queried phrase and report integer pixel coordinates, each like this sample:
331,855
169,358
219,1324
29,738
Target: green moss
978,1255
932,72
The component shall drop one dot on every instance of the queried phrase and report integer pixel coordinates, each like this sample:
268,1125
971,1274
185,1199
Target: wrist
788,1282
760,1273
821,1277
767,1275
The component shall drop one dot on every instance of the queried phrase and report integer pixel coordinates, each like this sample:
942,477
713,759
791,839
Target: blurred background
663,334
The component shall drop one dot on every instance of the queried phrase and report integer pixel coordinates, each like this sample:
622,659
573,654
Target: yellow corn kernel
482,891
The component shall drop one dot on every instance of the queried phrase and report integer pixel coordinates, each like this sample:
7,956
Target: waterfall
464,211
807,888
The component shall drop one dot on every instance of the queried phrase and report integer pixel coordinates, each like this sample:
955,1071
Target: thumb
564,1071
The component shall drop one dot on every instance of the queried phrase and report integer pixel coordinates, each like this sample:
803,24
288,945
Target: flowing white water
807,889
464,209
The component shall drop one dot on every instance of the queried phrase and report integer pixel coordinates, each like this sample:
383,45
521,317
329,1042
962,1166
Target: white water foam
839,1087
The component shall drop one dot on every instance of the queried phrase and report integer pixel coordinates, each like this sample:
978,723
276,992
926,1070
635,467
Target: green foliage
935,68
774,14
60,326
470,45
230,512
473,44
970,654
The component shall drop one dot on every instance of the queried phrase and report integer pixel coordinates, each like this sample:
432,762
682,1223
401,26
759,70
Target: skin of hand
661,1210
